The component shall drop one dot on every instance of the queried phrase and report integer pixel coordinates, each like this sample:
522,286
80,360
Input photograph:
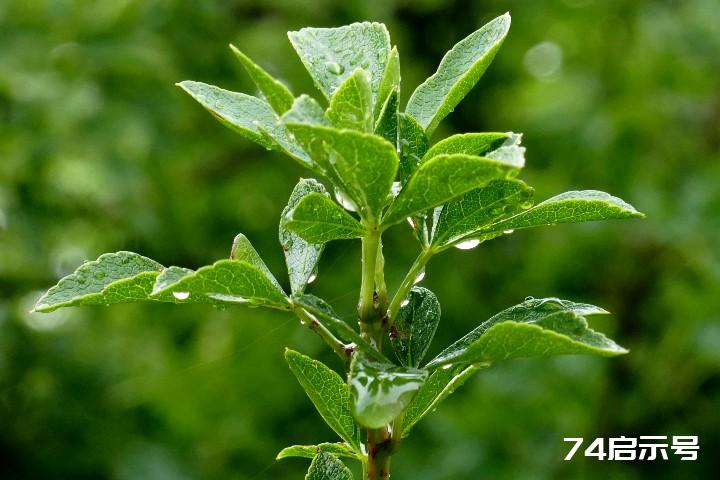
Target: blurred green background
99,151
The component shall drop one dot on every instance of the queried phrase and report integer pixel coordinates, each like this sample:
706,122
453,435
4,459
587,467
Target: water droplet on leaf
405,303
468,244
181,295
312,278
419,278
343,200
335,68
508,232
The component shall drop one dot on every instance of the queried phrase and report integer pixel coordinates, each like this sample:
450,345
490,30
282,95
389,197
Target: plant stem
366,305
306,318
417,268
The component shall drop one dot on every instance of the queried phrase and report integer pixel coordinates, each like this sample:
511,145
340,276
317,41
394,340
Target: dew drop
312,278
528,299
334,67
405,303
468,244
181,295
411,222
508,232
447,367
344,200
419,278
525,205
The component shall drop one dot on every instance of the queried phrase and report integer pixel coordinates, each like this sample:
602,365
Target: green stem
417,268
343,351
366,306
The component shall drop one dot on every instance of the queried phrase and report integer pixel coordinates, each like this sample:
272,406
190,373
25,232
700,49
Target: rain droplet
334,67
468,244
528,299
411,222
447,367
312,278
508,232
419,278
405,303
344,200
527,204
181,295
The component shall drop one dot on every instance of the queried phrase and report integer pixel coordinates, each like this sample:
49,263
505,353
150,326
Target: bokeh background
99,151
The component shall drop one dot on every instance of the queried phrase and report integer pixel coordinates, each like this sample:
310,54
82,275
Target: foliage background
100,152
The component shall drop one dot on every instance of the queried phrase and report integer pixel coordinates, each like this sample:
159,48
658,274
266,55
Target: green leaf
305,110
441,179
250,116
381,391
510,151
326,466
330,55
351,105
535,328
276,94
387,125
568,207
390,82
413,145
121,277
301,256
318,219
364,164
436,388
225,281
311,451
468,143
324,312
415,326
243,250
328,392
459,71
477,209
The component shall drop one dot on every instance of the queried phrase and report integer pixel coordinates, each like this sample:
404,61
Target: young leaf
243,250
330,55
413,145
305,110
364,164
328,392
276,94
121,277
459,71
468,143
250,116
535,328
301,256
477,209
324,312
568,207
225,281
415,326
380,391
443,178
387,124
326,466
510,151
311,451
318,219
351,105
439,385
390,81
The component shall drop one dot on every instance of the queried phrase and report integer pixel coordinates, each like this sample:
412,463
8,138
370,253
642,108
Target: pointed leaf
468,143
413,145
330,55
325,314
311,451
364,164
478,208
301,256
250,116
535,328
439,385
390,81
387,125
328,392
121,277
415,326
351,105
441,179
459,71
318,219
243,250
510,151
568,207
276,94
326,466
380,391
225,281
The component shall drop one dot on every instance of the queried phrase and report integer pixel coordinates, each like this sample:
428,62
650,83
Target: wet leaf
381,391
328,392
277,95
318,219
415,326
326,466
351,105
457,74
535,328
468,143
311,451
